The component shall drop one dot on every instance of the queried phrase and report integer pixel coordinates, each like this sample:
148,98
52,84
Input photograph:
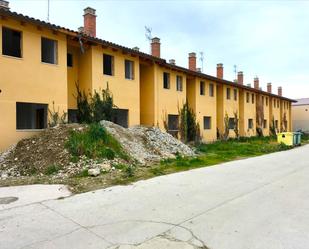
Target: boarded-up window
173,122
120,117
250,123
231,123
31,116
11,42
202,88
179,83
49,51
108,64
69,60
228,93
166,80
207,123
211,90
235,94
129,69
265,124
72,116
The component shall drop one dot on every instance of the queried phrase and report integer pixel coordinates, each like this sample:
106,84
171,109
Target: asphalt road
257,203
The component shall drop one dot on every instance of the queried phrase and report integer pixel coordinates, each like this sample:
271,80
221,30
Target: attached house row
41,63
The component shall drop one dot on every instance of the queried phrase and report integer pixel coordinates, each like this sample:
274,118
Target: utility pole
48,3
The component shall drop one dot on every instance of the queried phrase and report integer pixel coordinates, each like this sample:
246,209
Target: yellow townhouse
41,64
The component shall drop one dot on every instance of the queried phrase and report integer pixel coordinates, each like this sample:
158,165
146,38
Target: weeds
52,169
95,142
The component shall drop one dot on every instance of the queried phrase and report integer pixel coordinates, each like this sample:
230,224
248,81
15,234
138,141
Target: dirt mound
147,144
45,153
38,153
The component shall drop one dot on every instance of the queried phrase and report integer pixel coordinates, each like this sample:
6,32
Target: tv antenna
148,34
48,4
235,71
202,60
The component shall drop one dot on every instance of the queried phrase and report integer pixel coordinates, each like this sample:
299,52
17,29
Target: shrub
188,126
52,169
94,143
94,108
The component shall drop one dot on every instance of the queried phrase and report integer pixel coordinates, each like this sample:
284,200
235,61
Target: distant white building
300,115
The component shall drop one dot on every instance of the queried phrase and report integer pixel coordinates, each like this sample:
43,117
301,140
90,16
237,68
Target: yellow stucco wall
147,95
27,79
126,92
248,112
204,106
167,101
275,112
266,107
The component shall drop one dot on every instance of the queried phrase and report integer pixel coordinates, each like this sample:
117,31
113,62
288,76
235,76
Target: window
120,117
231,123
48,51
263,100
248,97
202,88
266,101
277,103
173,122
108,64
276,124
179,83
11,42
31,116
166,80
235,94
69,60
228,93
72,116
207,123
250,123
265,124
274,103
252,98
129,69
211,90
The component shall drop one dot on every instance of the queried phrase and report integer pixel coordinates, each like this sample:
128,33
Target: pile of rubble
44,153
147,144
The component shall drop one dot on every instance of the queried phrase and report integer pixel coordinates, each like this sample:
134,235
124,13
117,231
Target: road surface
257,203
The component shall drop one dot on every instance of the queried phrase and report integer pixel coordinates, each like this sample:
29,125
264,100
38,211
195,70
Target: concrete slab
31,194
257,203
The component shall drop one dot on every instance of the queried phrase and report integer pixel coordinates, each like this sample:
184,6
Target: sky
268,39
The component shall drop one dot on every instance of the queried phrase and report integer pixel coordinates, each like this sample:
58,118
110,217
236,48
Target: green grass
221,151
94,142
52,169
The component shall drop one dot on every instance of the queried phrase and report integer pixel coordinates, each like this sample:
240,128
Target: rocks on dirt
94,172
147,144
46,151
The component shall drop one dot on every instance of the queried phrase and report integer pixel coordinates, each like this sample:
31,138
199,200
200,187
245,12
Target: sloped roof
304,101
160,61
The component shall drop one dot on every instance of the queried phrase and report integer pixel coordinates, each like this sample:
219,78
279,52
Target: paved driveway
257,203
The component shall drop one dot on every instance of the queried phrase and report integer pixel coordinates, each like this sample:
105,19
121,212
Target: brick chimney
240,77
155,47
192,61
269,87
256,83
220,71
280,90
90,22
4,5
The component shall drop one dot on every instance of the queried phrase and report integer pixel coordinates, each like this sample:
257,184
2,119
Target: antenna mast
48,10
148,34
235,71
202,60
